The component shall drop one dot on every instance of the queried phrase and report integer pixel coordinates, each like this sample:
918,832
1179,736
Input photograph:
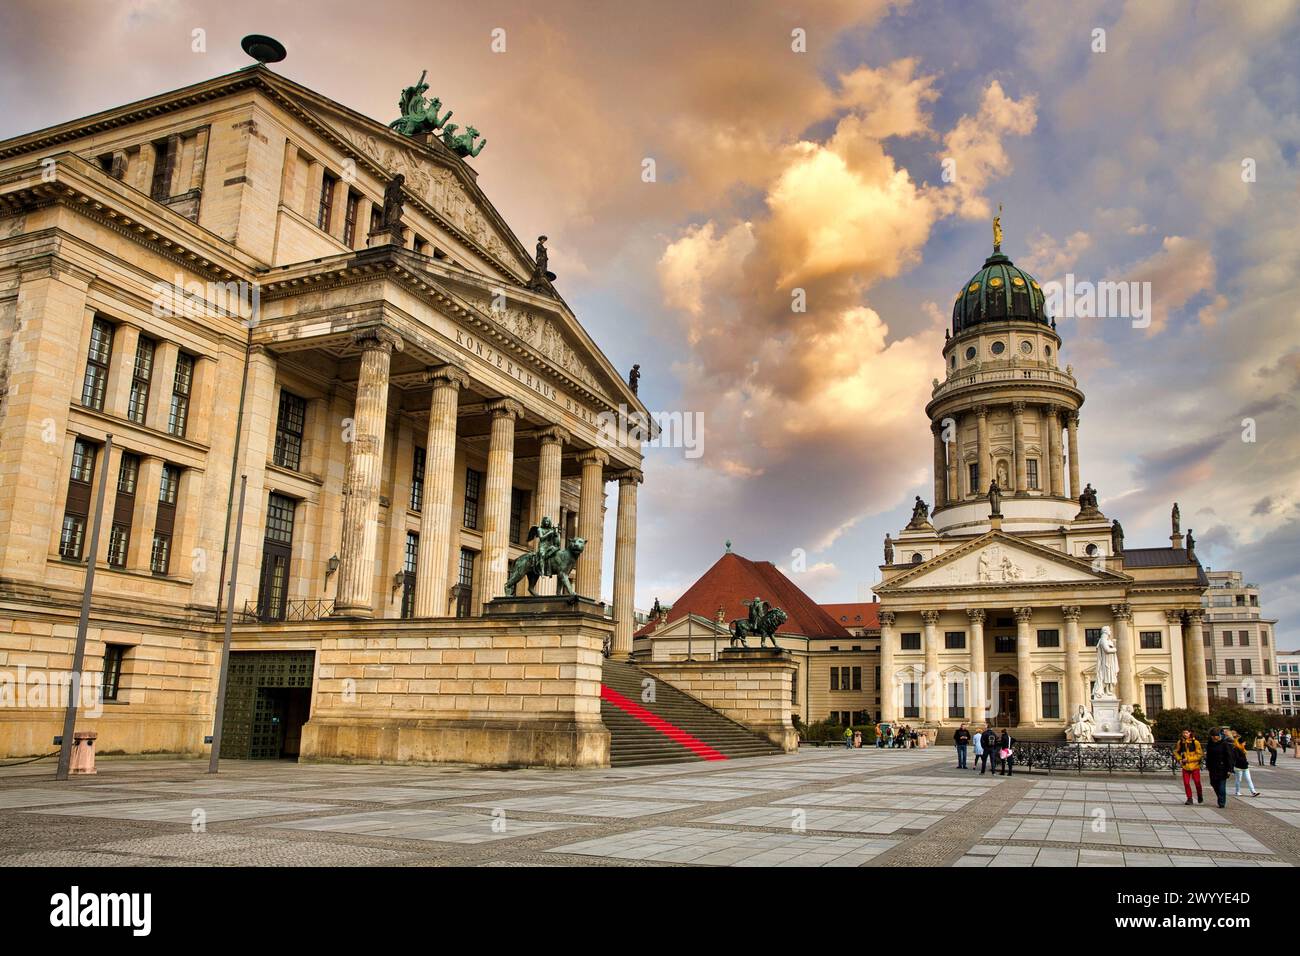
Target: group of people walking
1224,757
994,750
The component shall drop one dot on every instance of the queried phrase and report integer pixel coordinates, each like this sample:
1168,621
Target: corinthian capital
1122,612
1023,614
1072,612
930,617
976,614
887,618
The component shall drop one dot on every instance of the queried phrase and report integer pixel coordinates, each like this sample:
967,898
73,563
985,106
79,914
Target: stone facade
196,275
1241,662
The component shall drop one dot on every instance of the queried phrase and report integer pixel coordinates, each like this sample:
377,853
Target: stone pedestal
751,685
530,606
1105,715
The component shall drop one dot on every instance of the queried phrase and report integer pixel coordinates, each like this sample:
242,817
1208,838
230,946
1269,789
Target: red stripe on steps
671,731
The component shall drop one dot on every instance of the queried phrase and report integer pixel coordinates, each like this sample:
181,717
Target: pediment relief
442,191
1000,561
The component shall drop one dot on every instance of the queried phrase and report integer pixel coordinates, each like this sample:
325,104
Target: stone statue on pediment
889,549
1175,519
920,514
1116,537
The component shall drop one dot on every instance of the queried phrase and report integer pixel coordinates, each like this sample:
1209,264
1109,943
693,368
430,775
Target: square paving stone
582,805
705,847
18,799
817,818
215,810
437,825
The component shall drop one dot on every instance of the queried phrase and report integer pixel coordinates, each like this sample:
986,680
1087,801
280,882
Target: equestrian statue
551,560
763,621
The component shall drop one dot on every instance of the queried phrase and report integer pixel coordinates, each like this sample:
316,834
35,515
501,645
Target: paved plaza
818,807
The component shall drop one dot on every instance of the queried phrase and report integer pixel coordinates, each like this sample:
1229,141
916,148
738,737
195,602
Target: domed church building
993,597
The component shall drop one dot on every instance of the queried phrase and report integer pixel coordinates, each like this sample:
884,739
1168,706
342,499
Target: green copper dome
997,293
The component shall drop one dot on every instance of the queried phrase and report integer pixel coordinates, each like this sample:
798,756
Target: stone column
1123,615
1055,477
1073,689
985,454
496,495
931,686
144,168
145,517
591,522
356,574
1024,667
552,441
888,690
431,589
940,466
979,680
1018,418
959,453
954,488
1198,692
625,563
198,165
1072,425
121,370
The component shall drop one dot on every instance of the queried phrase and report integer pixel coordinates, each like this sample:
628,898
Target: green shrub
1169,724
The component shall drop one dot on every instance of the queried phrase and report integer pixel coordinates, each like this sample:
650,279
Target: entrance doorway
268,699
1008,701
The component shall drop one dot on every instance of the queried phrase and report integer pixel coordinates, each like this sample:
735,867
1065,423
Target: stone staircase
673,728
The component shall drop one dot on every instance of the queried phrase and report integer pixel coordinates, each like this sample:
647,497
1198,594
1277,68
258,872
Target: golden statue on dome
997,230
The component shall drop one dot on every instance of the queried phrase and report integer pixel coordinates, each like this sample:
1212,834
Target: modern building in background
1241,662
1288,679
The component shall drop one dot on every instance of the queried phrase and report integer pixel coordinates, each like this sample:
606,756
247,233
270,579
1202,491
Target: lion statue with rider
762,622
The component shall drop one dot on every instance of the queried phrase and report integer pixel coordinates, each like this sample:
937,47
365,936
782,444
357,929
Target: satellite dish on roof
263,49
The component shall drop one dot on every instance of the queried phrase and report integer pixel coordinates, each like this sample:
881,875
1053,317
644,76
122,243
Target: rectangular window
473,488
1230,666
279,519
410,562
97,356
327,184
128,475
911,701
1004,644
161,554
1268,666
1243,638
1227,638
1031,473
417,479
119,538
111,681
178,417
1232,694
1051,700
350,219
1091,636
277,552
518,508
289,425
167,488
1150,640
164,157
465,582
72,537
974,475
954,640
857,678
1268,695
1049,637
1209,667
910,642
956,699
835,678
1246,666
1155,700
138,404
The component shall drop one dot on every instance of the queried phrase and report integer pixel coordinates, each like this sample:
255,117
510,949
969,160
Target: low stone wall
751,687
509,690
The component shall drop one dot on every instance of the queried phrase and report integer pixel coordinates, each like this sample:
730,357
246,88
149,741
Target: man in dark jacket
962,739
990,756
1218,761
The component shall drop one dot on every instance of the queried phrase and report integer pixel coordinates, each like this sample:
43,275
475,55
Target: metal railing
1055,755
254,612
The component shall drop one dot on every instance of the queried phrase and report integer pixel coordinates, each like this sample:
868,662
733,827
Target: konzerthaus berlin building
967,594
205,276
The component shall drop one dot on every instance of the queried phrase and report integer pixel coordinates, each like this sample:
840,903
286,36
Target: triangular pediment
1000,560
435,178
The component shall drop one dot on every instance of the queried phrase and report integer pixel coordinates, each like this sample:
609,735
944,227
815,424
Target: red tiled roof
855,615
734,579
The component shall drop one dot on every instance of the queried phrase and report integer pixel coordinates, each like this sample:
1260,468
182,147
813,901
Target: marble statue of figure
1134,731
1175,518
985,567
1082,727
1003,480
1107,666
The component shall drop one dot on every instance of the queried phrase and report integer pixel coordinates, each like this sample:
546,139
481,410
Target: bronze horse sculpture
562,564
766,629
